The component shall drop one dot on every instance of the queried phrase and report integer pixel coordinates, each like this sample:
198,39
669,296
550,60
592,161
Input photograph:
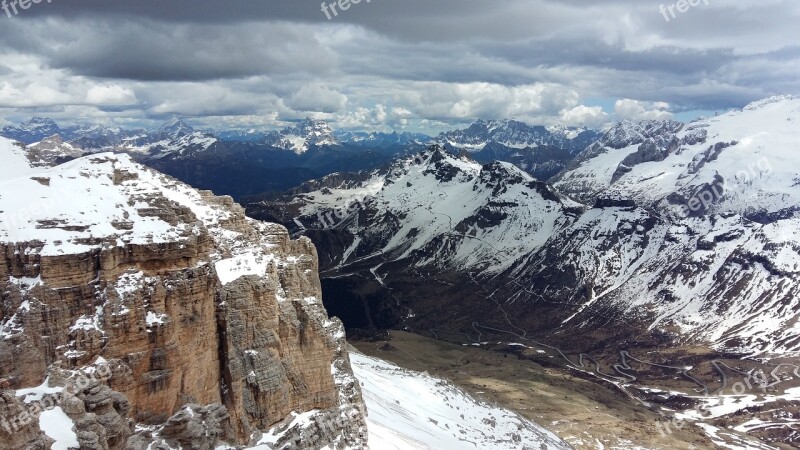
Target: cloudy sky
392,64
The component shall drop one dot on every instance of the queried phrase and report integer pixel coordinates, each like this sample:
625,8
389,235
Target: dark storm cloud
388,60
157,52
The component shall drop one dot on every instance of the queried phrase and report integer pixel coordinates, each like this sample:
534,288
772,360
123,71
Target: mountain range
253,162
667,211
659,257
138,312
673,245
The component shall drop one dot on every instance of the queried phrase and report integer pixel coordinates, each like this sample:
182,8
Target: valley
579,404
686,312
407,225
641,294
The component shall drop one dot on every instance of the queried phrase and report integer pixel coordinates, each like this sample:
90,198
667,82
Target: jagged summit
175,128
306,134
424,197
670,220
743,158
31,131
514,134
381,139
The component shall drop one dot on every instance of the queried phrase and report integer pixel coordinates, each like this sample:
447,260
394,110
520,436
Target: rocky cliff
137,311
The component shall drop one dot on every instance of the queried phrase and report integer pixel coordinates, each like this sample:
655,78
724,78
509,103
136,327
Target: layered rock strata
207,326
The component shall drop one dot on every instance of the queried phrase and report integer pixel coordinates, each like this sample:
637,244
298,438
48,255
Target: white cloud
30,95
468,101
585,116
636,110
317,98
363,118
434,64
110,95
399,118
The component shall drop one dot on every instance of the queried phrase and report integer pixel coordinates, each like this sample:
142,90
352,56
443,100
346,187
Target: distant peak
758,104
41,120
176,127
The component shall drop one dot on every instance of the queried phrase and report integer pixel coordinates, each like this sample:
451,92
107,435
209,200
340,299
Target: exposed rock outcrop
210,325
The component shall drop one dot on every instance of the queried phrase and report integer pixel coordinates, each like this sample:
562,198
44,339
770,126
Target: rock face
209,325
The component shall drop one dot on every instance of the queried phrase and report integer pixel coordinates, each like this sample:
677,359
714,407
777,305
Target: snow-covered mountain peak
32,130
436,162
743,161
630,132
513,134
311,125
769,101
482,211
76,206
175,128
305,135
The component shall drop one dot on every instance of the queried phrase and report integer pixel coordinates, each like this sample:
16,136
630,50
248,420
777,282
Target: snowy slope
437,209
411,410
76,206
185,145
714,255
752,152
690,232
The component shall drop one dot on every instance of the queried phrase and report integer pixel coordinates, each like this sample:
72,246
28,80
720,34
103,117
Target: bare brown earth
585,411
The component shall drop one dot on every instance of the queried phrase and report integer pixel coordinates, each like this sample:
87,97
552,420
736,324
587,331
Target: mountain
251,136
428,213
174,129
541,151
139,313
740,162
670,220
51,151
378,139
436,207
309,133
516,135
96,137
162,144
173,138
677,247
31,131
87,136
399,421
153,314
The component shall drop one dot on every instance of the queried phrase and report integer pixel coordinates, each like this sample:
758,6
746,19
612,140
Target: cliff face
207,327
